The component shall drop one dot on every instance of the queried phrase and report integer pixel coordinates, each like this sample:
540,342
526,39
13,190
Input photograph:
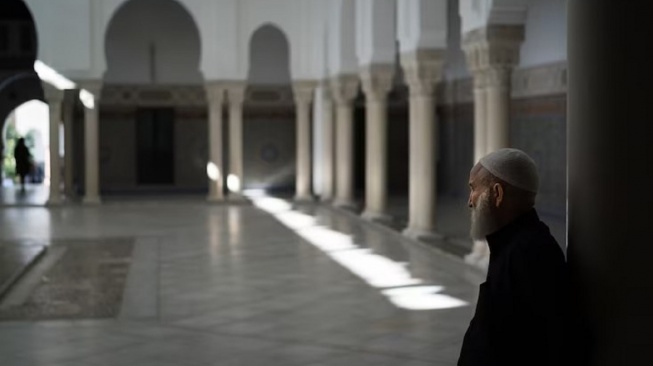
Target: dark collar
501,237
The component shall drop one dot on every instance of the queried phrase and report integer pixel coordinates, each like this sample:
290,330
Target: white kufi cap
514,167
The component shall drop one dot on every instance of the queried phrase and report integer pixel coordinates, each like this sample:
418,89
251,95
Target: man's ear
498,194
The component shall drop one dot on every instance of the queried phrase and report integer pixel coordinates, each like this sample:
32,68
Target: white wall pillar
377,82
235,97
344,89
423,70
328,143
492,53
69,162
54,98
303,93
92,144
480,114
215,169
498,108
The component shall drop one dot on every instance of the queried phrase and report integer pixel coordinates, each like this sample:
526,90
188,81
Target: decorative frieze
540,81
537,81
189,95
153,95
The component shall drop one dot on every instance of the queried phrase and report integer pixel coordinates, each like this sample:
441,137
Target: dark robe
22,157
521,313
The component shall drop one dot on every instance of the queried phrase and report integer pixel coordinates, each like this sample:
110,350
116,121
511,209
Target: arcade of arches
366,115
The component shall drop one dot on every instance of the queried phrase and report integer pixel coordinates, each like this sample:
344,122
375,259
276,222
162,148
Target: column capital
92,86
51,94
377,80
498,77
235,91
325,85
479,78
493,46
215,92
422,70
303,90
344,88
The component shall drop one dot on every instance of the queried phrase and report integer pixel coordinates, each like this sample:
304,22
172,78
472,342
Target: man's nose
469,202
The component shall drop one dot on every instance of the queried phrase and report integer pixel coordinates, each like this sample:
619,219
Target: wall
191,150
56,31
117,151
269,144
135,29
539,127
269,138
118,154
456,148
546,33
455,66
222,25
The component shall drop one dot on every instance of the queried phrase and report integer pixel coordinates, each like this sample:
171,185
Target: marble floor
32,195
249,285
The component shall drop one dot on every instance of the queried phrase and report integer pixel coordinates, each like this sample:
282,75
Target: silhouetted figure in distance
23,161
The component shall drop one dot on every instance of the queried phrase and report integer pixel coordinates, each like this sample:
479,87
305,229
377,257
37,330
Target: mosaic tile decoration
87,282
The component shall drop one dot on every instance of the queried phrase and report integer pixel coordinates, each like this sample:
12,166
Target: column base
237,198
54,202
422,234
345,204
91,200
326,199
304,199
381,218
215,199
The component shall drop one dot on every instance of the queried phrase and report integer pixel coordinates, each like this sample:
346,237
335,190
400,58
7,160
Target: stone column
492,53
235,97
344,89
92,144
69,162
328,143
498,107
422,70
303,92
475,61
215,168
377,82
54,98
609,178
480,113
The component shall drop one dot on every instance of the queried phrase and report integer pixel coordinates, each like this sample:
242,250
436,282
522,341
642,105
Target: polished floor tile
235,285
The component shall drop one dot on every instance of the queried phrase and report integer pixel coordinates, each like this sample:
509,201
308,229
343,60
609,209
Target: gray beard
483,221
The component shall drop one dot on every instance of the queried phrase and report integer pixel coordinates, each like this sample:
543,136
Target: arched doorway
152,116
22,112
269,124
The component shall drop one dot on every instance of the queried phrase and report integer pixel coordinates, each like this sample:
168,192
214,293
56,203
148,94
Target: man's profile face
483,218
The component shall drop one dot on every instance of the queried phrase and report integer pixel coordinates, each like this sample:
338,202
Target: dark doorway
155,138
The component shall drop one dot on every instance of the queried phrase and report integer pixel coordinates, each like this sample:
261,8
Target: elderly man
521,311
